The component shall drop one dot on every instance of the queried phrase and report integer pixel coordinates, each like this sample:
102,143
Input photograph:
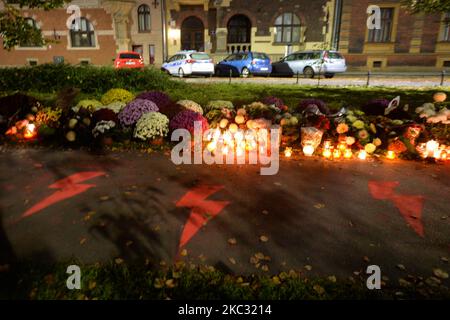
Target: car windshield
200,56
261,56
129,56
335,55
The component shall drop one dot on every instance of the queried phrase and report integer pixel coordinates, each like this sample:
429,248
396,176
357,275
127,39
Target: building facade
403,41
159,28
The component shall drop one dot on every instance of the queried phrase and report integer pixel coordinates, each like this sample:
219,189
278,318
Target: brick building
160,28
404,41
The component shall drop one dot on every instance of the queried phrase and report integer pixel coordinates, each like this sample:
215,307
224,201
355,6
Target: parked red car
128,59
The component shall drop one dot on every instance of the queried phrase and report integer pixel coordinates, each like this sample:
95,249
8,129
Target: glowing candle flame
326,153
348,153
390,155
431,147
288,152
362,155
29,131
336,154
308,150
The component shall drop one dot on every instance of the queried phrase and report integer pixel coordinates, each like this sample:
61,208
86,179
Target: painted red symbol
201,209
69,187
410,206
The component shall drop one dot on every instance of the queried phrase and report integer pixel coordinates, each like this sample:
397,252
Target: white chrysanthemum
102,126
191,105
151,125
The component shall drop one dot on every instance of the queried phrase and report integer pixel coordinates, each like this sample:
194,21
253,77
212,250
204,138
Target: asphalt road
347,79
336,217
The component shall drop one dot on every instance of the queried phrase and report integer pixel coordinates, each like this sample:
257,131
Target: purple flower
159,98
273,101
376,106
134,110
185,120
319,103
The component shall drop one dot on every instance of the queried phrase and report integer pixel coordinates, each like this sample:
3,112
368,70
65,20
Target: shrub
88,104
152,125
191,105
159,98
219,104
117,95
89,79
185,120
49,117
134,110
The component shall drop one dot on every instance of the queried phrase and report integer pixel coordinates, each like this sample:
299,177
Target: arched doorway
239,33
192,34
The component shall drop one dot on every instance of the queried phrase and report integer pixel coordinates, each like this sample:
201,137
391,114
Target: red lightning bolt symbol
410,206
69,187
201,208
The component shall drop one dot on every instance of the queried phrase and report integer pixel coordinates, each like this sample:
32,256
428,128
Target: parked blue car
245,64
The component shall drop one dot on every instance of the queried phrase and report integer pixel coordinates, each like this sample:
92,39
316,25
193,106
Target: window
384,33
239,29
288,28
32,62
30,43
446,36
144,18
151,52
129,56
200,56
82,33
138,49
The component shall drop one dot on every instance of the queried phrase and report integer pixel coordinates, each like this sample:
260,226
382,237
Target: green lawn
120,281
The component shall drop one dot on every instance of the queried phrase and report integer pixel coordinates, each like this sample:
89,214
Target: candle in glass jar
348,153
288,152
390,155
308,150
362,155
336,154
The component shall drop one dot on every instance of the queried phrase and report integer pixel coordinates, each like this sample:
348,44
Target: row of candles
431,149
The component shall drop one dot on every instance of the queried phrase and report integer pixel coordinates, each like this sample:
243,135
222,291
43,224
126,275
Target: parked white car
310,63
185,63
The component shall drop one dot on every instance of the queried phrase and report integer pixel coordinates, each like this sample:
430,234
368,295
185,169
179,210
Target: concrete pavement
336,217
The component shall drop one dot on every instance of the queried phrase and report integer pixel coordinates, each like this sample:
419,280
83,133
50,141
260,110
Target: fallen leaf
82,241
439,273
319,206
332,279
159,283
433,281
444,259
232,260
264,238
232,241
118,261
366,259
308,267
265,268
276,280
184,253
404,283
104,198
92,285
277,184
265,212
129,243
259,256
401,267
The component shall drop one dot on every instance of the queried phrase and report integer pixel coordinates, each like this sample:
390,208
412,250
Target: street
392,79
315,215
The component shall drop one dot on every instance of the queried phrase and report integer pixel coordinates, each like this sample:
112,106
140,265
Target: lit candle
348,154
326,153
211,146
327,144
308,150
336,154
362,155
444,155
288,152
390,155
29,131
342,147
431,147
437,154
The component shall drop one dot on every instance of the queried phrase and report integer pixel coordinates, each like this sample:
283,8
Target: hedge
54,77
